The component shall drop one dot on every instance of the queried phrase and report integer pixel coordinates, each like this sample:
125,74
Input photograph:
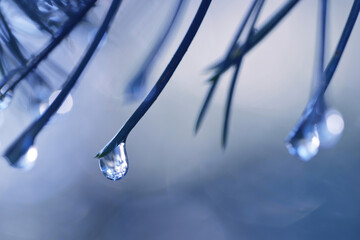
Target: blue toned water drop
330,128
5,99
115,165
305,143
26,161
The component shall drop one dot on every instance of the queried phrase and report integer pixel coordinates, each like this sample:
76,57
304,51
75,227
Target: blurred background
182,186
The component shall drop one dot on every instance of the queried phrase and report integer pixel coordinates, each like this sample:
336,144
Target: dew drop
305,144
115,165
27,161
43,107
5,99
334,122
65,107
330,128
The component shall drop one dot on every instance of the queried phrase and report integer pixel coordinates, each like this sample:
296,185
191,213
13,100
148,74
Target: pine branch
329,71
29,65
16,51
215,78
236,53
17,149
234,78
30,11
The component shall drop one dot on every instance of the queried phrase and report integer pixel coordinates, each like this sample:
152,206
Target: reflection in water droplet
115,165
27,161
306,144
5,99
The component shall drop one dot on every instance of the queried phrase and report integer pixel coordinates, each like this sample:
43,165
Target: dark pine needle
240,51
161,83
236,72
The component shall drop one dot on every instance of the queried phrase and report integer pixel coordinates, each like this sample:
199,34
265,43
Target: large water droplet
27,161
305,143
115,165
5,99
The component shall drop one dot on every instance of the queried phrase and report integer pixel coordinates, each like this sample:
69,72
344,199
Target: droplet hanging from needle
115,165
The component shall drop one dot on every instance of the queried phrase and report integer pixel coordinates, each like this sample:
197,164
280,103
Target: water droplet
115,165
305,143
43,107
330,128
65,107
27,161
5,99
334,122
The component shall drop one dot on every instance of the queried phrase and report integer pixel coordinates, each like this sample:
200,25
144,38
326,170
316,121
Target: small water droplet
330,128
27,161
66,106
334,122
5,99
305,143
115,165
43,107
